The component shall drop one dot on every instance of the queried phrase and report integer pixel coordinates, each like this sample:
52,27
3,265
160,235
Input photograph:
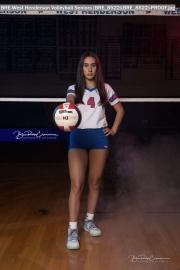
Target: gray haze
147,169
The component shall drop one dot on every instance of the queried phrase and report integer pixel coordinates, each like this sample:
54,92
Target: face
89,68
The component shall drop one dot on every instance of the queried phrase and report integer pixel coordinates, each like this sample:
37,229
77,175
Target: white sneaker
90,227
73,239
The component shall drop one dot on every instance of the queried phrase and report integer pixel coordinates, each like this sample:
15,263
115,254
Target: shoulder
108,87
71,87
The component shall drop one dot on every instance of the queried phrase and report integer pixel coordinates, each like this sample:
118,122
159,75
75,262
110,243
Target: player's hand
108,131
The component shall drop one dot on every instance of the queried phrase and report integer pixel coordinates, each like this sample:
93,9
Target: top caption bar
87,8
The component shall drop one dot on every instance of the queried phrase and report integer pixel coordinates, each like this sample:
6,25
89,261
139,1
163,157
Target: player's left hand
108,131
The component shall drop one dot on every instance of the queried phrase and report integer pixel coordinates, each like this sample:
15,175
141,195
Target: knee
95,183
76,189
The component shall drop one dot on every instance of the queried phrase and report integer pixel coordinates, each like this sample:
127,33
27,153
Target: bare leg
78,160
97,160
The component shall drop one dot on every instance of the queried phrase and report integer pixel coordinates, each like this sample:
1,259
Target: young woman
89,143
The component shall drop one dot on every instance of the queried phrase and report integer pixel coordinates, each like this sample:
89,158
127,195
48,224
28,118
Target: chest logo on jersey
91,102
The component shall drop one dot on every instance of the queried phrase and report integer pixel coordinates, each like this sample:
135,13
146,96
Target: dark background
140,57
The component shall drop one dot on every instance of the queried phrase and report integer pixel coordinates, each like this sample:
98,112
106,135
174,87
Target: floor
138,211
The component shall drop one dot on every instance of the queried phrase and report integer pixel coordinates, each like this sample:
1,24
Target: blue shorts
88,139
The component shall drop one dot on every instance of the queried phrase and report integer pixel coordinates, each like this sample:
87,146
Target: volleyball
67,116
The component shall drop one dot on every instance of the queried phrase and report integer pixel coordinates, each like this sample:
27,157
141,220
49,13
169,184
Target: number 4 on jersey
91,102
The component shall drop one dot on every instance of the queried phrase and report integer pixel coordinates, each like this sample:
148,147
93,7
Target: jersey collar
90,89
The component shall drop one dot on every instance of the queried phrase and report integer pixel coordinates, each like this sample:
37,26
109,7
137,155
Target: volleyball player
89,143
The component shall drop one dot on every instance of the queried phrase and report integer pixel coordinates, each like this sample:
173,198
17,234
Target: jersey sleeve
111,95
71,91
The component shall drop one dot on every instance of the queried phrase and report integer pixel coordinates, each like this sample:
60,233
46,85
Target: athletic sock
73,225
89,216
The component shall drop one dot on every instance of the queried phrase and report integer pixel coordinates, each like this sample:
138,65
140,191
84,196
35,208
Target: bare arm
118,119
70,98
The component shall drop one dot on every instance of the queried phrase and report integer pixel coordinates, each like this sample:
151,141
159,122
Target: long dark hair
99,81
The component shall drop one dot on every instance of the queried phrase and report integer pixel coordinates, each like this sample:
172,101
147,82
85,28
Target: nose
90,68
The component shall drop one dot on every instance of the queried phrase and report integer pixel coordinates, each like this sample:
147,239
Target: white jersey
93,114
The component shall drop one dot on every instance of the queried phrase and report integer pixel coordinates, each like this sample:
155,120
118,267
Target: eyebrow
90,64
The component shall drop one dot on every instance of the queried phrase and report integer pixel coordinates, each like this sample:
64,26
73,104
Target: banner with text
154,10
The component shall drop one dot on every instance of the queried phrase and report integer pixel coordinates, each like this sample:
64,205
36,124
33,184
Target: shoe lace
91,225
74,235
